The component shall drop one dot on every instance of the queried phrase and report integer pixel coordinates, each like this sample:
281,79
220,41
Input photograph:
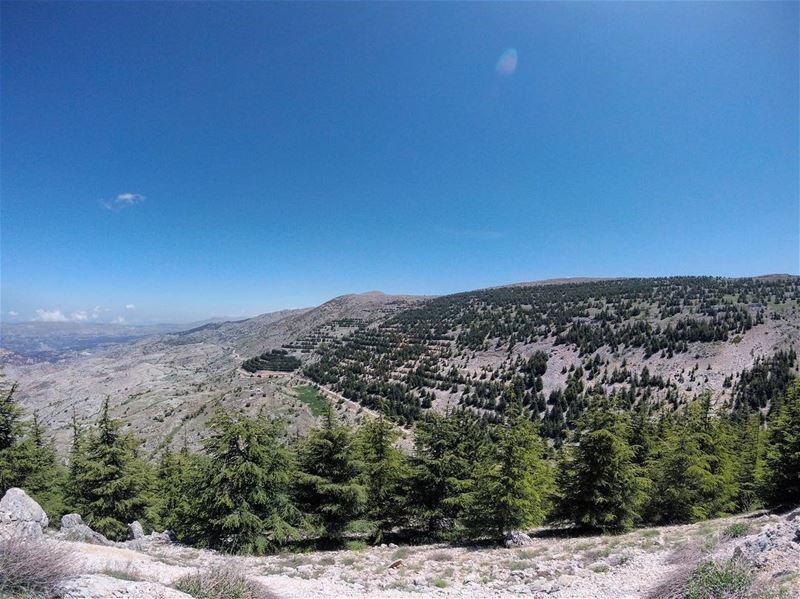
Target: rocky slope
166,386
654,563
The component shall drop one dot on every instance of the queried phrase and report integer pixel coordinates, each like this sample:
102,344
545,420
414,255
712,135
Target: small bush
729,580
222,583
356,545
33,567
737,529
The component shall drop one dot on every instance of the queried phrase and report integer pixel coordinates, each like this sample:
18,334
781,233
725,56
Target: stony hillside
166,386
659,340
752,555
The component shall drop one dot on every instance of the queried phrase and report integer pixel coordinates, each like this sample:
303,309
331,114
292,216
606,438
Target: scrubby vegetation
222,583
33,568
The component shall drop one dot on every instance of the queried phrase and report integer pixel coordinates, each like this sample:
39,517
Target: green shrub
736,530
728,580
222,583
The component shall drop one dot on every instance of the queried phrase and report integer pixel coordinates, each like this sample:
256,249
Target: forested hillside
662,341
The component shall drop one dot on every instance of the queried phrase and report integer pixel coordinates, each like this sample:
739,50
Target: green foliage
694,471
783,452
312,398
447,451
513,484
107,480
221,583
601,486
246,506
728,580
736,530
180,490
28,459
277,360
384,474
327,486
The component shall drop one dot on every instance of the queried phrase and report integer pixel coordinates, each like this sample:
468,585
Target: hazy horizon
169,162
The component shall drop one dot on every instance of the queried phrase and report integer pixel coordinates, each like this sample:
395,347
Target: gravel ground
630,565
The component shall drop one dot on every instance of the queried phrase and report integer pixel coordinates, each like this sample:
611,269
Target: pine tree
246,503
327,484
694,475
447,451
28,459
107,480
750,466
601,486
38,471
385,473
513,485
782,486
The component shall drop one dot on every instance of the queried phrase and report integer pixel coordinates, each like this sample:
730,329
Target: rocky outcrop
73,528
516,538
20,515
135,530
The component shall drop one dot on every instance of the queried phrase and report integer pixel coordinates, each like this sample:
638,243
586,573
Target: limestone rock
73,528
20,515
517,538
135,530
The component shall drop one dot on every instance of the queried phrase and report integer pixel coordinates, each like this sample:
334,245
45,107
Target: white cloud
13,313
50,315
123,200
96,311
79,315
118,320
130,307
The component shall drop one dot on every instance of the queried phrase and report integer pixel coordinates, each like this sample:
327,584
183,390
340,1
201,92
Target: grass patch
311,397
128,573
728,580
599,568
356,545
736,530
222,583
439,583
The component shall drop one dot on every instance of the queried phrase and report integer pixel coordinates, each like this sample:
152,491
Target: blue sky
173,161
